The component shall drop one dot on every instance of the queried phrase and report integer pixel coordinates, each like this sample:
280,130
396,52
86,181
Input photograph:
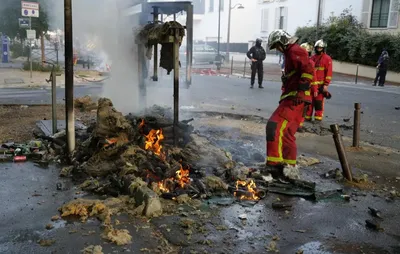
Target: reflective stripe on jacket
299,72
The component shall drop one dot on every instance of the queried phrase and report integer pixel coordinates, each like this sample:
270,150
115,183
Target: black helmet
258,42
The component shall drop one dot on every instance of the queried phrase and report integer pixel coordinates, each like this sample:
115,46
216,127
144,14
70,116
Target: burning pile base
135,155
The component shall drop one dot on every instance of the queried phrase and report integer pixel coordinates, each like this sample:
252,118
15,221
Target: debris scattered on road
49,226
346,120
243,216
273,247
46,242
55,218
93,249
397,108
117,236
373,224
304,161
277,205
300,230
345,197
59,186
375,212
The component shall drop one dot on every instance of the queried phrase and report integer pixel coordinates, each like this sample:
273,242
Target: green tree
10,11
348,41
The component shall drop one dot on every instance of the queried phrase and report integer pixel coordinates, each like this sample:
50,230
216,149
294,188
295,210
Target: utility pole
69,78
219,27
318,17
229,30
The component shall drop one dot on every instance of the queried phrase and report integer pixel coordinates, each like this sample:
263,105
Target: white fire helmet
306,46
320,43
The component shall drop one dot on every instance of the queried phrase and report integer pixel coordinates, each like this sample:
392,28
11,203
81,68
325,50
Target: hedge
347,41
37,66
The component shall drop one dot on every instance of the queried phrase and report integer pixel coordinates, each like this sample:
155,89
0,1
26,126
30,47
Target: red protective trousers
316,107
280,130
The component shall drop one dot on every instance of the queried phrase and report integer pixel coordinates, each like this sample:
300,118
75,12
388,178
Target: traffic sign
23,22
30,9
31,34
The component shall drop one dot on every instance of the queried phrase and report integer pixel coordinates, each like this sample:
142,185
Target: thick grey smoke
102,23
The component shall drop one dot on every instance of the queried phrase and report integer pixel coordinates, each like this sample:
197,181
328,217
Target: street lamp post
240,6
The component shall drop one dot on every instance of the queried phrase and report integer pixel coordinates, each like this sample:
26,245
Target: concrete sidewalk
17,78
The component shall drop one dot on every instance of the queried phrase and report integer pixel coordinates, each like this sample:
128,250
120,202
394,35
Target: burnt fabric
257,67
281,128
281,142
323,71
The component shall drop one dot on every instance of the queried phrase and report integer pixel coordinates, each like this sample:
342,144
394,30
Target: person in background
257,55
382,67
284,122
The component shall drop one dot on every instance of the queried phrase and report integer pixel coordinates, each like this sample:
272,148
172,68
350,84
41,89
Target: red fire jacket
314,87
323,67
299,73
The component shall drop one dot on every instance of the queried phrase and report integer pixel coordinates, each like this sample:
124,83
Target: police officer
257,55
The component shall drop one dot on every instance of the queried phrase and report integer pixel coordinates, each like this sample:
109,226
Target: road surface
380,119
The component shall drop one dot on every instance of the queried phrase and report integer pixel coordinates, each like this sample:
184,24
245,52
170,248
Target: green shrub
37,66
18,50
348,42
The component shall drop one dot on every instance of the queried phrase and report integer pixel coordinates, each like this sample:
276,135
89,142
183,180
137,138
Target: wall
363,71
336,7
242,22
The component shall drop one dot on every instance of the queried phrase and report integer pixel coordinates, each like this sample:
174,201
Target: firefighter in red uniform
314,89
323,68
284,122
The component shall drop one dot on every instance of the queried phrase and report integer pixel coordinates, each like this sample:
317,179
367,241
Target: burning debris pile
135,155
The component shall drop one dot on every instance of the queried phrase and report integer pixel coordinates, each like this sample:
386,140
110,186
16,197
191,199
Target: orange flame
162,186
182,177
250,187
152,142
141,124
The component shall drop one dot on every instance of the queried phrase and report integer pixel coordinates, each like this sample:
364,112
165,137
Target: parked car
202,54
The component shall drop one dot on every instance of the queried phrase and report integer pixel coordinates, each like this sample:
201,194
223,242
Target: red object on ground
20,158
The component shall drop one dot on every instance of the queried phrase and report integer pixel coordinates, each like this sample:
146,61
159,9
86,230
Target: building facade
381,15
259,17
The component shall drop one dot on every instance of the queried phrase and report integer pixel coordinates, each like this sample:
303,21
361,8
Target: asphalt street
380,120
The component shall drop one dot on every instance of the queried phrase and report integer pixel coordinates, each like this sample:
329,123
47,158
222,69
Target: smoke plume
102,23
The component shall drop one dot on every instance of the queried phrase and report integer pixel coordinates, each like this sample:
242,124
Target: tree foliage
10,11
348,41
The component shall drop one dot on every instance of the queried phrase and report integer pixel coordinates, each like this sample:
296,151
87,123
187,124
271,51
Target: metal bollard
232,66
341,152
244,68
357,74
356,129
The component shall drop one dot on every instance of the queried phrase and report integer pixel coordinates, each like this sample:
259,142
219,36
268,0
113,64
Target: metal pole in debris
176,85
244,68
189,44
54,100
30,48
69,77
232,65
357,125
341,152
155,20
357,74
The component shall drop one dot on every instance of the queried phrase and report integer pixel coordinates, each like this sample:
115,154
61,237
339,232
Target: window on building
380,13
281,16
211,6
264,20
222,2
